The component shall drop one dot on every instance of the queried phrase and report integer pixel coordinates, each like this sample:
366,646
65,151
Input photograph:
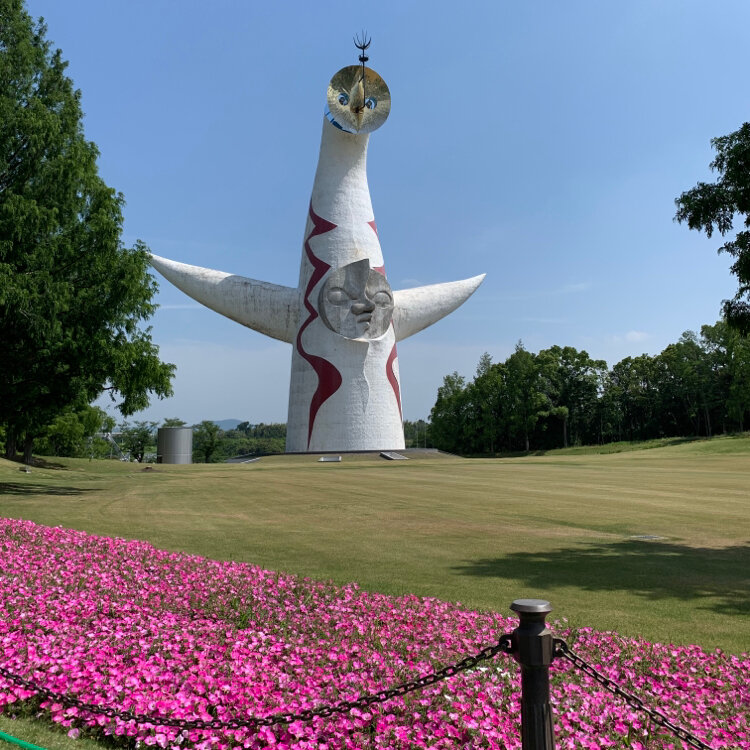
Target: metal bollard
533,650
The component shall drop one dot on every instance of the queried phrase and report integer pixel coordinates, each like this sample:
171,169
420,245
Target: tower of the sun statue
343,319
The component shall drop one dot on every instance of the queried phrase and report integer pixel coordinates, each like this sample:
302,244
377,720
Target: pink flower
119,623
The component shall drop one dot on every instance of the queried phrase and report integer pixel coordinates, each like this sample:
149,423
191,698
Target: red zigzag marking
390,374
379,269
329,378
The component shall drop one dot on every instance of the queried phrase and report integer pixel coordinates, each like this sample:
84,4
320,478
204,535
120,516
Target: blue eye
371,102
343,98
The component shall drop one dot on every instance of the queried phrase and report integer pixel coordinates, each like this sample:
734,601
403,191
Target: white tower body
343,319
344,393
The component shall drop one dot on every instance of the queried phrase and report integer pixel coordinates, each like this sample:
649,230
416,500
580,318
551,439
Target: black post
533,650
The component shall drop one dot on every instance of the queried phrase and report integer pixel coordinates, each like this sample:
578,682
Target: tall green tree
206,440
138,438
695,380
72,297
72,432
609,416
448,422
525,398
729,354
633,385
485,397
714,206
416,434
572,384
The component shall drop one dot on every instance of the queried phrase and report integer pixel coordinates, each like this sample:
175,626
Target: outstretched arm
268,308
415,309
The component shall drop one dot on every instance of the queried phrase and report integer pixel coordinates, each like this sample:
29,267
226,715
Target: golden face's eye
343,98
371,102
338,296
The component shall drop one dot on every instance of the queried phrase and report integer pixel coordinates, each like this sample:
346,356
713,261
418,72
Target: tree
447,418
206,438
713,206
632,384
72,297
696,382
573,382
678,405
525,397
72,432
416,434
273,430
173,422
138,438
730,362
485,397
609,414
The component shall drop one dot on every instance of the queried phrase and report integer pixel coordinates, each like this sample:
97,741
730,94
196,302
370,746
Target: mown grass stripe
481,531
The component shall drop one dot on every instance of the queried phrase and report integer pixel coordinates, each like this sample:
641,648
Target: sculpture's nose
357,96
357,101
363,305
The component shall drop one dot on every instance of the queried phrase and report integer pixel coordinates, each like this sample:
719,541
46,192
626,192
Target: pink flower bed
123,624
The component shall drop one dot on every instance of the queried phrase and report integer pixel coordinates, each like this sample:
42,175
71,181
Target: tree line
89,432
211,444
560,396
74,303
697,386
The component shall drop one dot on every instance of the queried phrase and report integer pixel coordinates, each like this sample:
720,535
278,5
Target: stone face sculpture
356,301
343,319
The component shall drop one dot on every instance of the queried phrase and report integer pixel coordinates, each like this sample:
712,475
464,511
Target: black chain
341,707
562,649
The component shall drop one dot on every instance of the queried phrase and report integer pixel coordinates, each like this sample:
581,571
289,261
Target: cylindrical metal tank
174,445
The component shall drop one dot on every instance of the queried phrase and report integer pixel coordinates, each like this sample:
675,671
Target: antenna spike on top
362,44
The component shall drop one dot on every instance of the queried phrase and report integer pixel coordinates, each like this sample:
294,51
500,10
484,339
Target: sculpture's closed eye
338,296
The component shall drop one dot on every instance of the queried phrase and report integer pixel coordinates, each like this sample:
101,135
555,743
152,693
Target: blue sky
541,143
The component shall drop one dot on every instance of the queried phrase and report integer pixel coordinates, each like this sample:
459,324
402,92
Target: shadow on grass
39,463
43,463
716,579
15,488
596,449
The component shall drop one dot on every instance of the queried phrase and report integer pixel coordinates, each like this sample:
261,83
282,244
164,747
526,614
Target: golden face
358,105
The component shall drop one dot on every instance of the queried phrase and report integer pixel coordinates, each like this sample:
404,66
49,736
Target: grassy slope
483,532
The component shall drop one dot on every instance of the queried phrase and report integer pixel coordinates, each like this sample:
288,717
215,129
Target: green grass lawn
563,527
42,734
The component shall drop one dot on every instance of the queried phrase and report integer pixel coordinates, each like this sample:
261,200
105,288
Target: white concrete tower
343,319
